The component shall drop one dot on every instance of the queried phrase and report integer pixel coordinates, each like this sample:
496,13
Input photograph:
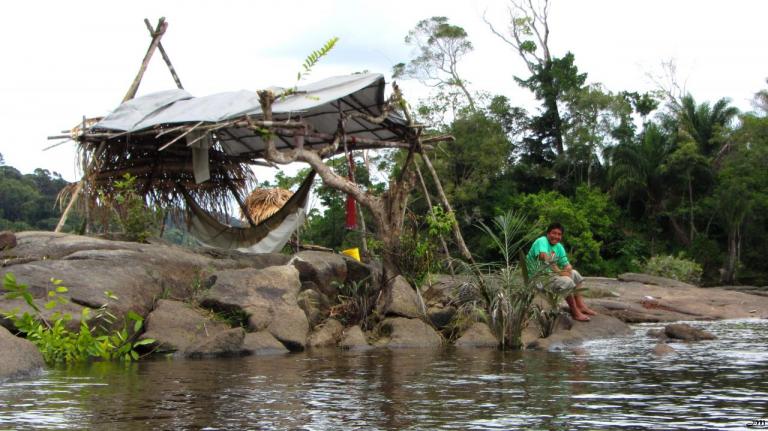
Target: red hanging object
351,219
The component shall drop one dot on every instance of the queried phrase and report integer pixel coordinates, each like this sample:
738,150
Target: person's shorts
562,283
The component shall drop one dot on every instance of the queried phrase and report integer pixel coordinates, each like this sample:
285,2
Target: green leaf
137,326
144,342
134,355
50,305
62,289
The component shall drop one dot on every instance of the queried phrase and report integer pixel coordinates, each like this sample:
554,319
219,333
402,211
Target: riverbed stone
353,338
262,343
440,315
686,332
175,326
326,335
314,304
402,300
403,332
478,335
327,270
291,327
18,357
225,343
661,349
600,326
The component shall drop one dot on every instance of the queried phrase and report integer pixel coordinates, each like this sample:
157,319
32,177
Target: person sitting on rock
548,255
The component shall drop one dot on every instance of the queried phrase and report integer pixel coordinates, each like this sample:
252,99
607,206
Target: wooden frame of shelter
185,154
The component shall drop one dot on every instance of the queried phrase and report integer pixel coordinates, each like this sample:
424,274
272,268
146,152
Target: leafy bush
136,220
57,343
677,268
501,292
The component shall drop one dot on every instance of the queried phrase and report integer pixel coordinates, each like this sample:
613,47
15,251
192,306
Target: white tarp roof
317,103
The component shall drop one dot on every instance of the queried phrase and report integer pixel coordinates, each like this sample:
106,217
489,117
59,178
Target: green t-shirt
542,245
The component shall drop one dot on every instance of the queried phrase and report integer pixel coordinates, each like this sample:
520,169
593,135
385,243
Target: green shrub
677,268
59,344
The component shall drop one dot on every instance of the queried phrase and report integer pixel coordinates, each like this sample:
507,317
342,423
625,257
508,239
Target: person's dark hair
555,225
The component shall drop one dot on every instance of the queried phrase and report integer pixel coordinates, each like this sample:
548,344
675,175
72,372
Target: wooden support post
429,205
156,36
441,194
165,56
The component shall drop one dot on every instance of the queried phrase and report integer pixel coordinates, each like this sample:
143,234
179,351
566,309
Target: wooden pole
156,36
429,205
165,55
441,194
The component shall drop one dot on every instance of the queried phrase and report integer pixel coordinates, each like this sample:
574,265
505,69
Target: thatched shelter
196,152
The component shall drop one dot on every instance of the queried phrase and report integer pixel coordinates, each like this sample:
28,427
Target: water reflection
607,385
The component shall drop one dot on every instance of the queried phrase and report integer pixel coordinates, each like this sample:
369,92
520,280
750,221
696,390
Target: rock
441,315
326,335
354,339
18,357
401,301
268,296
7,240
136,274
600,326
657,333
290,326
653,279
175,326
683,331
262,343
225,343
323,268
478,335
661,349
314,304
360,272
441,289
404,332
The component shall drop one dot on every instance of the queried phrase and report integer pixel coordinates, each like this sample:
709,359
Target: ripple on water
617,384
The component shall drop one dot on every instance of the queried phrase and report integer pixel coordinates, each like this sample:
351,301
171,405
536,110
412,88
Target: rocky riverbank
210,303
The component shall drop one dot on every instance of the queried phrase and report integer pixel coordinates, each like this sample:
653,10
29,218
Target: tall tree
440,46
706,125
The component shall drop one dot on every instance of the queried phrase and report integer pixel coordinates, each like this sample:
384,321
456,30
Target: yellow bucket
354,253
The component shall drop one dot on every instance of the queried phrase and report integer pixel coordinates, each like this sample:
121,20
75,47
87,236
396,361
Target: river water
607,384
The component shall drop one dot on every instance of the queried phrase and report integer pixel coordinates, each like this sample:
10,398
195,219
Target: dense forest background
630,174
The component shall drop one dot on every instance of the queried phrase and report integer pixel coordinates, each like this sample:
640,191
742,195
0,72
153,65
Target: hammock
268,236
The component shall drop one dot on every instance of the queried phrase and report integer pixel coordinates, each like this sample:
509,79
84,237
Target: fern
313,58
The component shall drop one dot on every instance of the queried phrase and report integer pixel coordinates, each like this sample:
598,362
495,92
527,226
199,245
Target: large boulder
478,335
262,343
326,270
224,343
267,296
402,332
7,240
441,315
176,327
402,300
135,274
18,357
354,339
326,335
686,332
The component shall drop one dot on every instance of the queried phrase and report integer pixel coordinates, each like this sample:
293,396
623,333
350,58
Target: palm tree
706,124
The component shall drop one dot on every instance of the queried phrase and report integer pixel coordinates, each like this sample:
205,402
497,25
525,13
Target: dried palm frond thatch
262,203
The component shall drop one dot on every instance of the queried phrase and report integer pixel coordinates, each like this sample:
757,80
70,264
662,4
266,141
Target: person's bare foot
580,317
588,311
583,307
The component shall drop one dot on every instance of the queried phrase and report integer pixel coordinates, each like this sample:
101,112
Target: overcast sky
65,59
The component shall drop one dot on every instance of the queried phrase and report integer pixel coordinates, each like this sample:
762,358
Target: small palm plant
501,292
